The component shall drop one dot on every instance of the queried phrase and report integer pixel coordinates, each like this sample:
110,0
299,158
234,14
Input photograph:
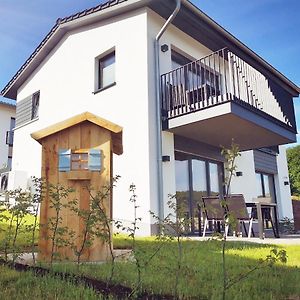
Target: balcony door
195,177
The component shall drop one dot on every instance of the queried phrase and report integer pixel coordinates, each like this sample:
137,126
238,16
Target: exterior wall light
166,158
164,48
238,174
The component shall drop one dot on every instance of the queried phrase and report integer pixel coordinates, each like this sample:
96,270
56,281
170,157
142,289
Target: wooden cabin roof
115,129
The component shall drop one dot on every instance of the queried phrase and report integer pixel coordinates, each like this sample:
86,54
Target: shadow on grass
201,273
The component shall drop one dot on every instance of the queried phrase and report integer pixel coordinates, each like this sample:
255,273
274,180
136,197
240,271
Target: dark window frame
190,157
272,189
35,105
100,65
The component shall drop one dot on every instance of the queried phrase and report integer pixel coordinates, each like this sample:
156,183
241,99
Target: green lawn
19,286
201,272
24,236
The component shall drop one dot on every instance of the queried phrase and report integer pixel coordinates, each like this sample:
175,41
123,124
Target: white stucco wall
245,184
181,42
6,113
283,192
66,84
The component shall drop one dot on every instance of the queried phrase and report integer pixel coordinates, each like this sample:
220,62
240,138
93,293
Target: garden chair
212,211
236,206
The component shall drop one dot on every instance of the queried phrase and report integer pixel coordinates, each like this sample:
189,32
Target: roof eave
54,36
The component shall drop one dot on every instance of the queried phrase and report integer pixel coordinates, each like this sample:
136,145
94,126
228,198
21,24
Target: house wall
184,44
66,83
246,184
283,192
6,113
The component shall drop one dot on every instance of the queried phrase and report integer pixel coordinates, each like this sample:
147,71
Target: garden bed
116,290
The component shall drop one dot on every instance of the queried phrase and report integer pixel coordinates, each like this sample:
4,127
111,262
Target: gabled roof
188,13
41,46
115,129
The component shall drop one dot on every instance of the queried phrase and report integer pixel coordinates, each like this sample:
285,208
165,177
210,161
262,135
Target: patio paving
290,239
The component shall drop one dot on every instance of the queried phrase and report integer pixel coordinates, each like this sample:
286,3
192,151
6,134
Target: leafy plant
293,159
37,196
99,218
141,257
60,236
17,213
173,227
230,156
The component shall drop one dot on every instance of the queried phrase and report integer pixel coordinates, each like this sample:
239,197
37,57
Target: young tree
275,255
17,212
60,236
37,196
100,219
293,159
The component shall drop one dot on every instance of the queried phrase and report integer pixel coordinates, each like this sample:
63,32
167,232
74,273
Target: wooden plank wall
85,135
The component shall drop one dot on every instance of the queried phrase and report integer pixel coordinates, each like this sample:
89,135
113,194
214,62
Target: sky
269,27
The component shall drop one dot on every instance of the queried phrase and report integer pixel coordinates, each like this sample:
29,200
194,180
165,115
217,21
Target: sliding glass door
195,177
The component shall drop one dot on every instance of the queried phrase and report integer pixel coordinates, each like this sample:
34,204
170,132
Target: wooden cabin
77,154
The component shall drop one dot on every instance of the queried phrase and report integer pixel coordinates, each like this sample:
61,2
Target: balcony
221,97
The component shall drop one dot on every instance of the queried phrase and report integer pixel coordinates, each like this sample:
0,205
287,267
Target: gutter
160,194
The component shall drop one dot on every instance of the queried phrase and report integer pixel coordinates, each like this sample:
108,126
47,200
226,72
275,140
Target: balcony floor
218,125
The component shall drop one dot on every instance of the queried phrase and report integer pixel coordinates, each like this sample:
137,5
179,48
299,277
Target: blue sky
269,27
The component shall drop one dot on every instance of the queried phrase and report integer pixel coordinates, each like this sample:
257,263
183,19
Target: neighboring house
213,89
7,124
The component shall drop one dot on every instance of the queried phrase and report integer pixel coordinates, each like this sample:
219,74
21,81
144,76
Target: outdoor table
259,207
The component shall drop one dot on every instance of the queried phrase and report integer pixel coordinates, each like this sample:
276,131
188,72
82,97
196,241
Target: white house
179,94
7,124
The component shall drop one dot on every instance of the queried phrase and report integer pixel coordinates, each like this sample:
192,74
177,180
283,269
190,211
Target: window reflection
214,179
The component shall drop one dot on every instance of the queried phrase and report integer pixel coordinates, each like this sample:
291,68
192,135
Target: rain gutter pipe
160,193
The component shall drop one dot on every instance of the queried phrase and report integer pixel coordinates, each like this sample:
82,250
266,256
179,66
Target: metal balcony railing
217,78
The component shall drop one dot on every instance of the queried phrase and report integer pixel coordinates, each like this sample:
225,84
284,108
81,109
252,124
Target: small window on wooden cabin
76,160
79,160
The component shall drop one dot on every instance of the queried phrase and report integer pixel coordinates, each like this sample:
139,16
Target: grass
201,272
24,237
19,286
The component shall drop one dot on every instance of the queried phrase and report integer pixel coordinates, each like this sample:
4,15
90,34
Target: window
35,105
265,186
197,78
105,71
75,160
195,177
79,161
27,109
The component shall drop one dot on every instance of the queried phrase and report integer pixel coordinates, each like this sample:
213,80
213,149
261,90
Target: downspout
158,111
